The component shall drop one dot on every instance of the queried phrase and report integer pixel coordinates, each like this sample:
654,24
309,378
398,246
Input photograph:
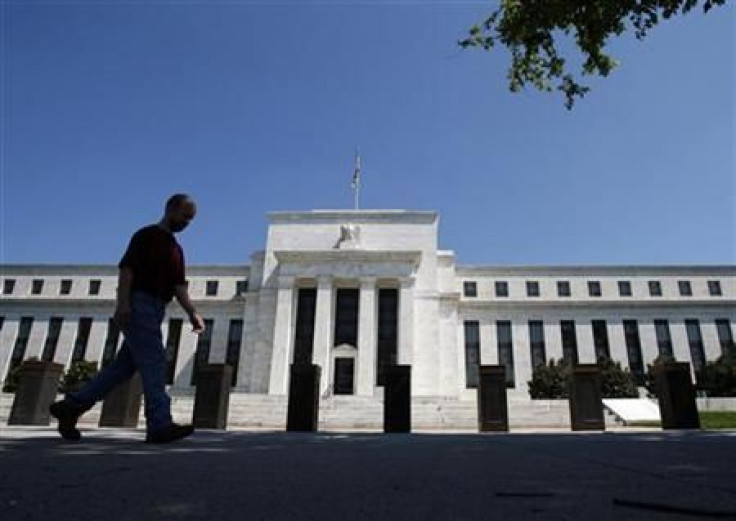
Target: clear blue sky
109,107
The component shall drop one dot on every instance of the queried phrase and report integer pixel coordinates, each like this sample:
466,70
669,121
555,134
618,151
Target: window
563,288
21,342
346,317
697,353
80,344
211,290
66,287
655,288
472,353
502,288
664,340
536,340
594,288
304,337
52,339
624,288
633,349
94,287
470,289
8,286
569,342
37,286
234,339
725,335
532,288
714,288
202,354
685,287
241,287
111,343
506,350
173,338
600,339
388,326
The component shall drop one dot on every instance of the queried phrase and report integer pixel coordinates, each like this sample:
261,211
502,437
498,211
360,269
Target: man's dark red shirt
157,262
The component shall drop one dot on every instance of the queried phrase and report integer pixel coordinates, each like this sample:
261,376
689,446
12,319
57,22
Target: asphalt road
112,475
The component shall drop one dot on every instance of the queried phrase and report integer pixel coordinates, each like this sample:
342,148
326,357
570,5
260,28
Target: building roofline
606,269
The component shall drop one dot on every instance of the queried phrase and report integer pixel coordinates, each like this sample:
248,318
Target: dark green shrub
649,379
551,381
78,374
11,381
719,377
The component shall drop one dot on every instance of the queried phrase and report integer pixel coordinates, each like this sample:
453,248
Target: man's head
178,213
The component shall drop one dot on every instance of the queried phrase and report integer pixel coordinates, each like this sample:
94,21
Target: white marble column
488,343
321,350
367,337
283,337
406,322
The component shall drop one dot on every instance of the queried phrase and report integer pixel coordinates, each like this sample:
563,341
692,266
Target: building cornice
354,216
591,270
412,257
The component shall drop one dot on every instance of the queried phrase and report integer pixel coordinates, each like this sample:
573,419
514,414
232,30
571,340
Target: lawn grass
709,420
718,419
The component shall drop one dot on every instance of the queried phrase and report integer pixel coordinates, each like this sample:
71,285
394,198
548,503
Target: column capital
286,281
368,281
324,281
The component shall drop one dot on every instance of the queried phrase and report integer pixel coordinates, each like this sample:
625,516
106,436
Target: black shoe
170,433
67,413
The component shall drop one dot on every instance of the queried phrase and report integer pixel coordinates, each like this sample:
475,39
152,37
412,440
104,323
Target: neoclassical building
355,291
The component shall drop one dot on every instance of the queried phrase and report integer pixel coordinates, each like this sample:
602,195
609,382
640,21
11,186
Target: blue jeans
142,349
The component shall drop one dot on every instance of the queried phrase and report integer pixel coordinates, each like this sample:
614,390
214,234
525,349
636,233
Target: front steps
429,413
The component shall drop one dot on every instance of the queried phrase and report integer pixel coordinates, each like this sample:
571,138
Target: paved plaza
246,475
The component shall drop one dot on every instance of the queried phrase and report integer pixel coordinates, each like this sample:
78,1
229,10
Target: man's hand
122,315
197,323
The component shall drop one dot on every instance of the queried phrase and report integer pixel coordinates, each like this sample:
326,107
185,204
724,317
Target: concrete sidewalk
245,475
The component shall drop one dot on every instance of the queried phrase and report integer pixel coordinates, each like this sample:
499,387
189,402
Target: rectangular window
502,288
94,287
111,343
600,340
80,344
655,288
211,290
305,316
506,350
241,287
624,288
686,289
536,340
532,288
202,354
388,327
472,353
66,287
21,343
633,349
52,339
8,286
569,342
664,340
234,339
714,288
563,288
37,286
594,288
697,352
173,338
725,335
470,289
346,317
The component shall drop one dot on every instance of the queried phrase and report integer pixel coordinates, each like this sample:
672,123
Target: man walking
151,274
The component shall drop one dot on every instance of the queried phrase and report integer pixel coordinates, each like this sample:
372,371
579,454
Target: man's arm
181,292
122,310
